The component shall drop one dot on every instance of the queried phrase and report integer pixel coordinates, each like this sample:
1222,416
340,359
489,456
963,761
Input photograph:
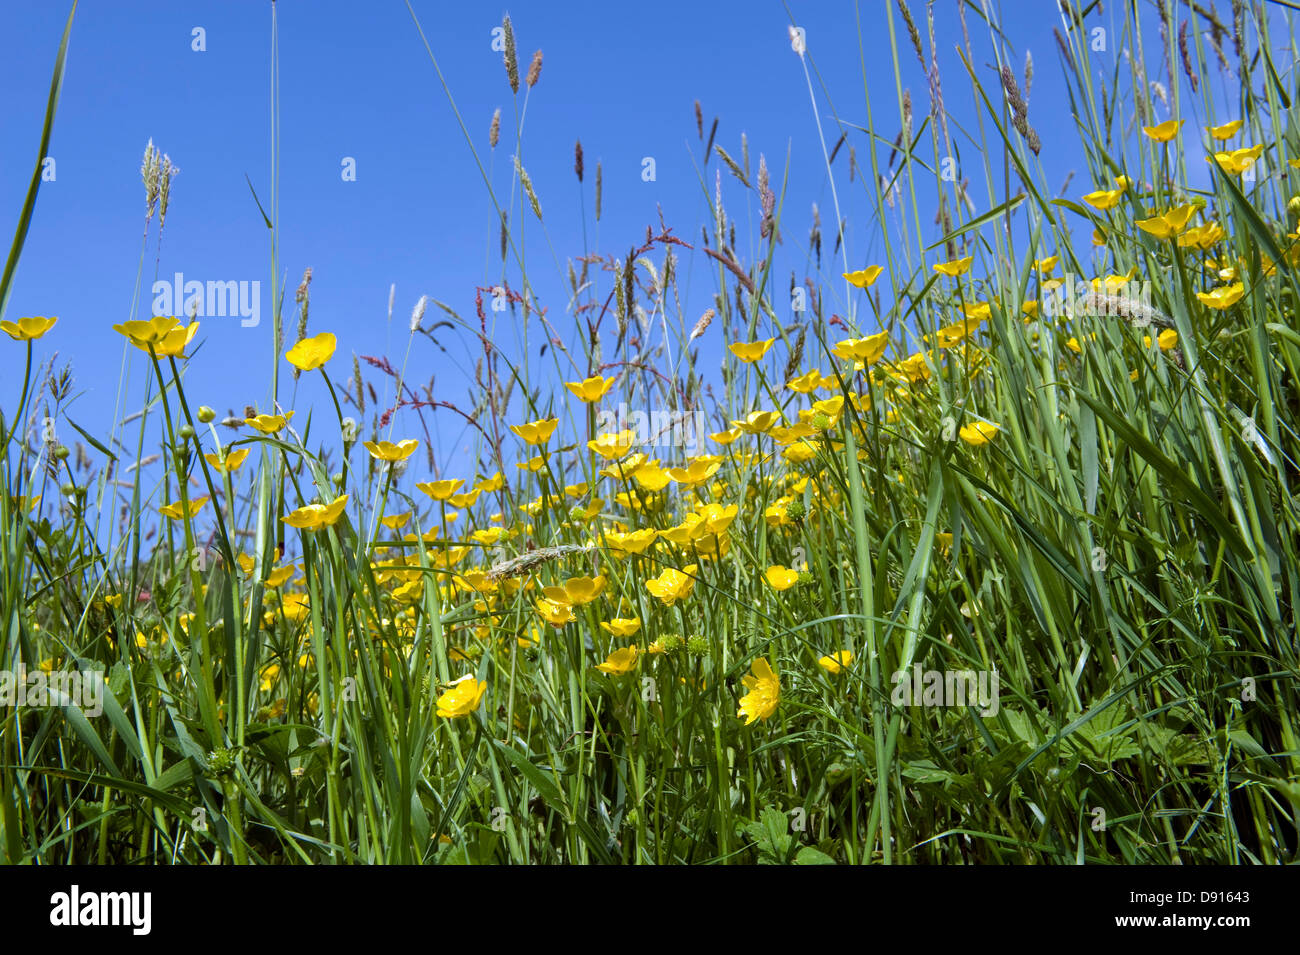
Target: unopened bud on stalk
186,431
206,414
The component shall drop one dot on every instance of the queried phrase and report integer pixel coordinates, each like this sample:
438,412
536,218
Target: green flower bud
696,645
61,453
221,762
795,509
206,414
186,432
671,642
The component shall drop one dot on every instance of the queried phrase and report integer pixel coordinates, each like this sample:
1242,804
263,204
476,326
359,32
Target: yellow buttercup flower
1165,131
715,518
1202,236
268,677
836,662
1226,131
912,369
177,511
726,437
757,422
865,351
165,334
591,389
27,329
311,353
313,517
1170,224
630,542
269,423
805,384
672,585
800,453
864,278
832,408
979,432
610,446
621,470
279,576
1225,296
440,490
952,335
750,352
1048,265
495,483
621,626
652,477
576,591
1104,199
697,471
764,692
396,522
142,334
172,345
781,578
390,452
230,463
619,662
536,432
463,698
1238,161
467,499
556,614
954,268
1166,340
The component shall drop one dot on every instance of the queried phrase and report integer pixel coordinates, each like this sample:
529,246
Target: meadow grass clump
988,554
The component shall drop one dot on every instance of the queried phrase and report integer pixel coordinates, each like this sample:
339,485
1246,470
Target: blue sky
357,82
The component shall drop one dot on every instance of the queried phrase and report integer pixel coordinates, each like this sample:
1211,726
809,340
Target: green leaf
811,856
1202,503
29,204
265,217
91,441
545,787
980,220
